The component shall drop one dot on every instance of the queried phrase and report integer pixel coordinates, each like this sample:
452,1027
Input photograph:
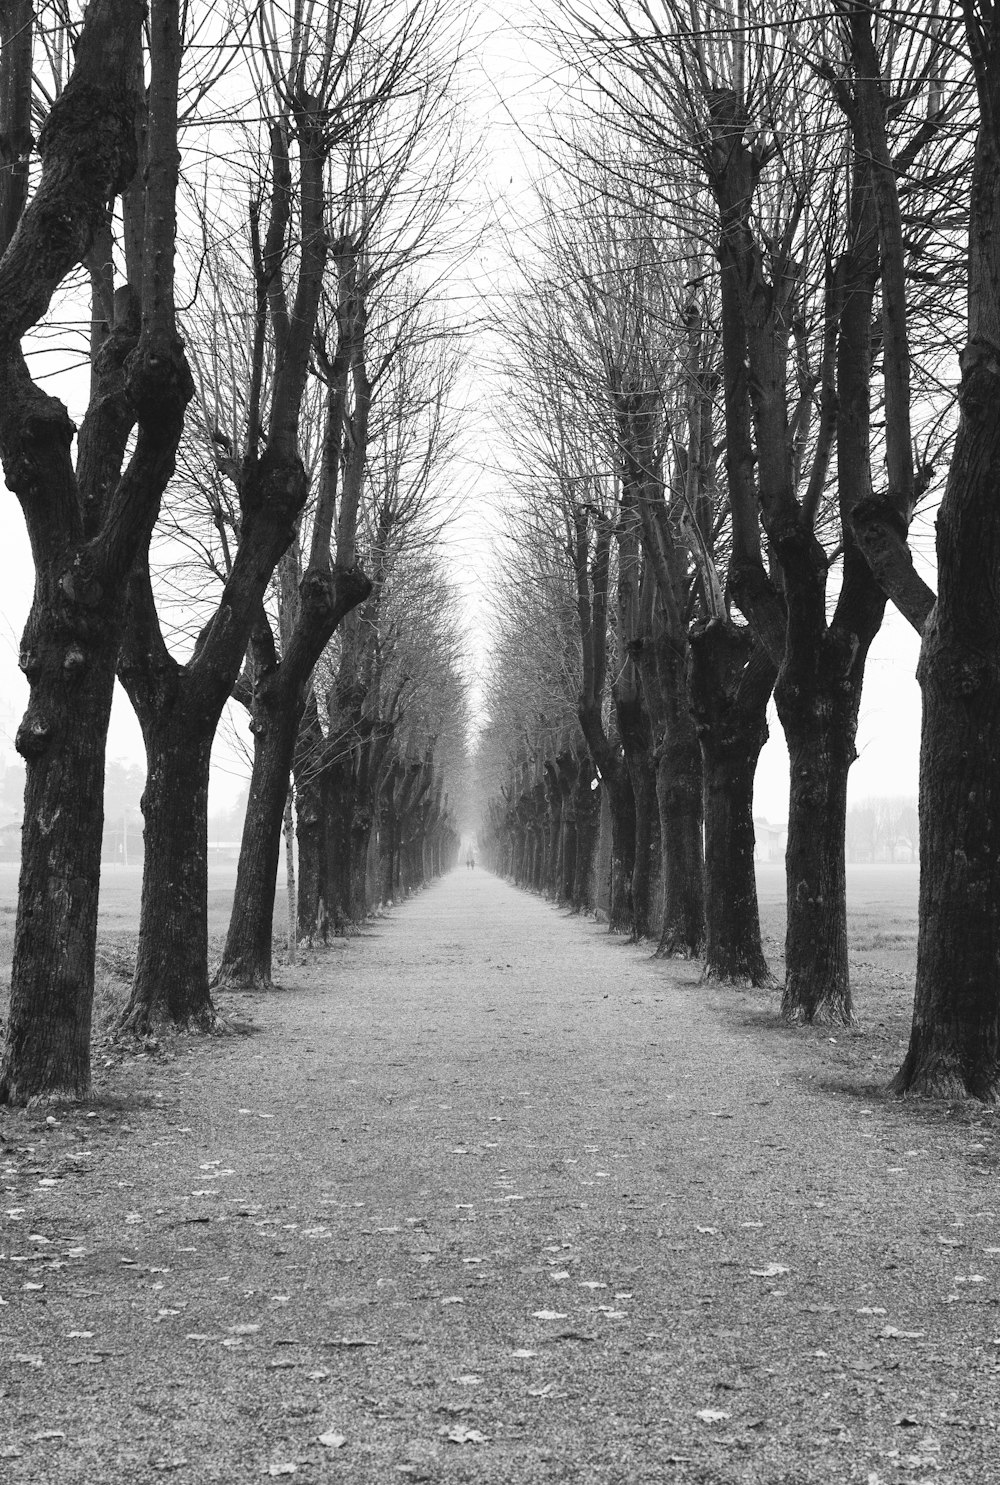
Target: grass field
882,929
121,888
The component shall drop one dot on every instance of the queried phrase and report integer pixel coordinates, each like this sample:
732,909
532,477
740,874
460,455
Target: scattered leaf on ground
466,1436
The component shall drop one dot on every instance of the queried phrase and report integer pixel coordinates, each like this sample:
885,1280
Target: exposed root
236,977
676,946
148,1024
739,979
826,1013
943,1078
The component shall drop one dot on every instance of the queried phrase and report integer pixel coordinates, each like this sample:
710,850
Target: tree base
144,1021
942,1077
677,946
14,1096
242,978
739,977
828,1011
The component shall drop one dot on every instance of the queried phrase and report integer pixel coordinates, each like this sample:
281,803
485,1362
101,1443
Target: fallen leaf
466,1436
548,1315
709,1231
871,1310
524,1354
712,1415
541,1391
890,1333
281,1469
771,1271
243,1329
453,1299
333,1440
47,1433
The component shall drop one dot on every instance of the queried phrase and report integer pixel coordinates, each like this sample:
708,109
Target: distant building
769,840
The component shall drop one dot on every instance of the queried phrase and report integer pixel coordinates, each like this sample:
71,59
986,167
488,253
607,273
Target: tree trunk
246,959
291,893
361,833
679,799
731,679
634,726
338,810
954,1046
588,830
309,827
62,740
820,741
85,525
171,974
568,769
621,801
277,706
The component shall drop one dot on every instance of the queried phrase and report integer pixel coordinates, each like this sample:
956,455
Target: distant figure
470,860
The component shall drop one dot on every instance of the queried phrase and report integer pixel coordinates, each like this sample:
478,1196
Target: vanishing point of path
489,1197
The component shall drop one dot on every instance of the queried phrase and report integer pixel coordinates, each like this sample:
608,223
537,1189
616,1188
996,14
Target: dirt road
491,1197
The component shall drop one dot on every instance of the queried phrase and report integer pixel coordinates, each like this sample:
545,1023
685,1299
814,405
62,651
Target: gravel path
491,1197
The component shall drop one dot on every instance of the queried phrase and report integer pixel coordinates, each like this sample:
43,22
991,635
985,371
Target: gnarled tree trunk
731,679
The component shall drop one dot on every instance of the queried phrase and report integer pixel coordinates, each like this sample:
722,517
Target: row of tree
258,481
768,236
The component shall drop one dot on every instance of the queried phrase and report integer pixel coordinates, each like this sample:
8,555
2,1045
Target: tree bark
819,719
52,976
247,957
86,525
171,974
954,1048
309,826
636,732
588,829
278,705
680,805
731,678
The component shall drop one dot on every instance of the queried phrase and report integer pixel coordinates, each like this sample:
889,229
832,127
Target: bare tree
954,1048
748,102
322,73
402,434
90,522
